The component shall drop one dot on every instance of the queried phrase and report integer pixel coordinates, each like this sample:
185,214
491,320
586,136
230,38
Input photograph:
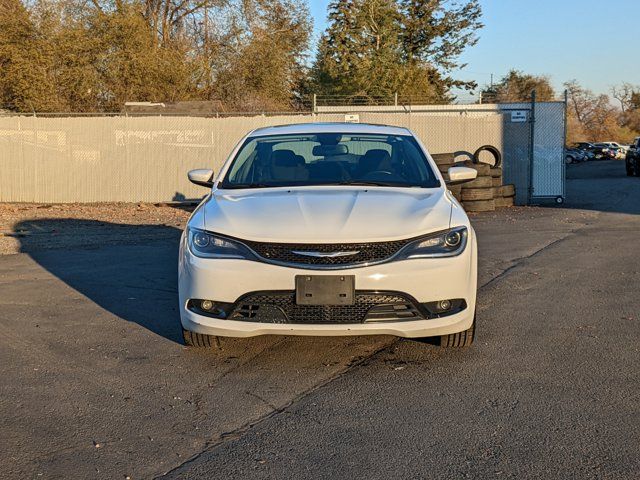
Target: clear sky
596,42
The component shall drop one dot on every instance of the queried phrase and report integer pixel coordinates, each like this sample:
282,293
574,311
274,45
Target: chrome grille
323,253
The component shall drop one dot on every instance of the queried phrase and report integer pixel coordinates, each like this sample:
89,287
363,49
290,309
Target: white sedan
329,229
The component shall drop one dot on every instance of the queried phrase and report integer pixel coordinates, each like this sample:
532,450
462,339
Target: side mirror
458,175
202,177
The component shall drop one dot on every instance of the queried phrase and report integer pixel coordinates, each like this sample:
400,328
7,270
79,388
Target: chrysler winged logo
326,254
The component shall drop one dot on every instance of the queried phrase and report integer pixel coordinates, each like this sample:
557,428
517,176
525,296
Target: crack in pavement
238,432
517,262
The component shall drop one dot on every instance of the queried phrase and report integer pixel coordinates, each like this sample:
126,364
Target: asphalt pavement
96,382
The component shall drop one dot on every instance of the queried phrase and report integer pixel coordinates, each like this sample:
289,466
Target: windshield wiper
247,185
358,183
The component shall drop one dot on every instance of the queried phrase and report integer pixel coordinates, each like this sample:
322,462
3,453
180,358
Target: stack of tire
503,195
486,192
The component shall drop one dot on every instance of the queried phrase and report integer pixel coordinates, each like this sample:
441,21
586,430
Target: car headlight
448,243
208,245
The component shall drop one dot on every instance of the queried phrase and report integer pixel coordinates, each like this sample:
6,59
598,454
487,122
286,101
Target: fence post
566,107
532,133
564,164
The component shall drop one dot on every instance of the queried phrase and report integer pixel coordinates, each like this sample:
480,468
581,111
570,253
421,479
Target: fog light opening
210,308
206,305
444,305
444,308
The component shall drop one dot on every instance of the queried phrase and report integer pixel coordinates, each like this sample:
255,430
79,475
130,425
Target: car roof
314,128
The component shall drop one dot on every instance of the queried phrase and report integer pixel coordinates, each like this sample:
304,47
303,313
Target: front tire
193,339
460,339
453,340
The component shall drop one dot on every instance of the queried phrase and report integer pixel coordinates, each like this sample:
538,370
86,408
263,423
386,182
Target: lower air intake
281,307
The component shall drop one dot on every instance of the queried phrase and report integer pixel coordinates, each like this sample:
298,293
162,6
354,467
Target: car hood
329,214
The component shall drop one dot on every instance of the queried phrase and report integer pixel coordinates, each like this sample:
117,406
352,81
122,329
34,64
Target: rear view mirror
330,150
202,177
458,175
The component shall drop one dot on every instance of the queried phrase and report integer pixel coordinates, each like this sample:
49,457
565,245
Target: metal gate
548,165
533,149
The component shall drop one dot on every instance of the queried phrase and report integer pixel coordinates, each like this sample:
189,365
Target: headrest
286,158
379,155
330,150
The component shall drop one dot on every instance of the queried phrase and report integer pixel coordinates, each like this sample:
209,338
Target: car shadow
128,270
131,271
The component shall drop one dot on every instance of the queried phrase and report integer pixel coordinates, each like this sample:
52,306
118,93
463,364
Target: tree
351,45
269,68
631,116
381,47
631,120
517,86
626,94
592,117
25,61
78,55
629,97
132,65
437,32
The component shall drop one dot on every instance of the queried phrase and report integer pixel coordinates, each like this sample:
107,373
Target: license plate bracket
325,289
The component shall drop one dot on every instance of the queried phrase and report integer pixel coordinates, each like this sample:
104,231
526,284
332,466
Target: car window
329,159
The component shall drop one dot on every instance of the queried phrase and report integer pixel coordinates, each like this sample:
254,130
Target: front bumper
426,280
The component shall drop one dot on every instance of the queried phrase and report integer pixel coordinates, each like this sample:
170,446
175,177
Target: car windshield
330,159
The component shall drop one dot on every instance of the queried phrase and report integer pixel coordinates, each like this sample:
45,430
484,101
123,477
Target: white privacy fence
146,159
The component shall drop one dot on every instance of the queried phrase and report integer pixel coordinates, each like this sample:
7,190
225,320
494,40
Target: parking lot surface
96,382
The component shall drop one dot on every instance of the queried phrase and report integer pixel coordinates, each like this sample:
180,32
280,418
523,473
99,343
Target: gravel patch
26,227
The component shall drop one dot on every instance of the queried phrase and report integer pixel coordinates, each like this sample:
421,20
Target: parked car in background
616,145
593,152
573,155
619,150
607,152
632,159
329,229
